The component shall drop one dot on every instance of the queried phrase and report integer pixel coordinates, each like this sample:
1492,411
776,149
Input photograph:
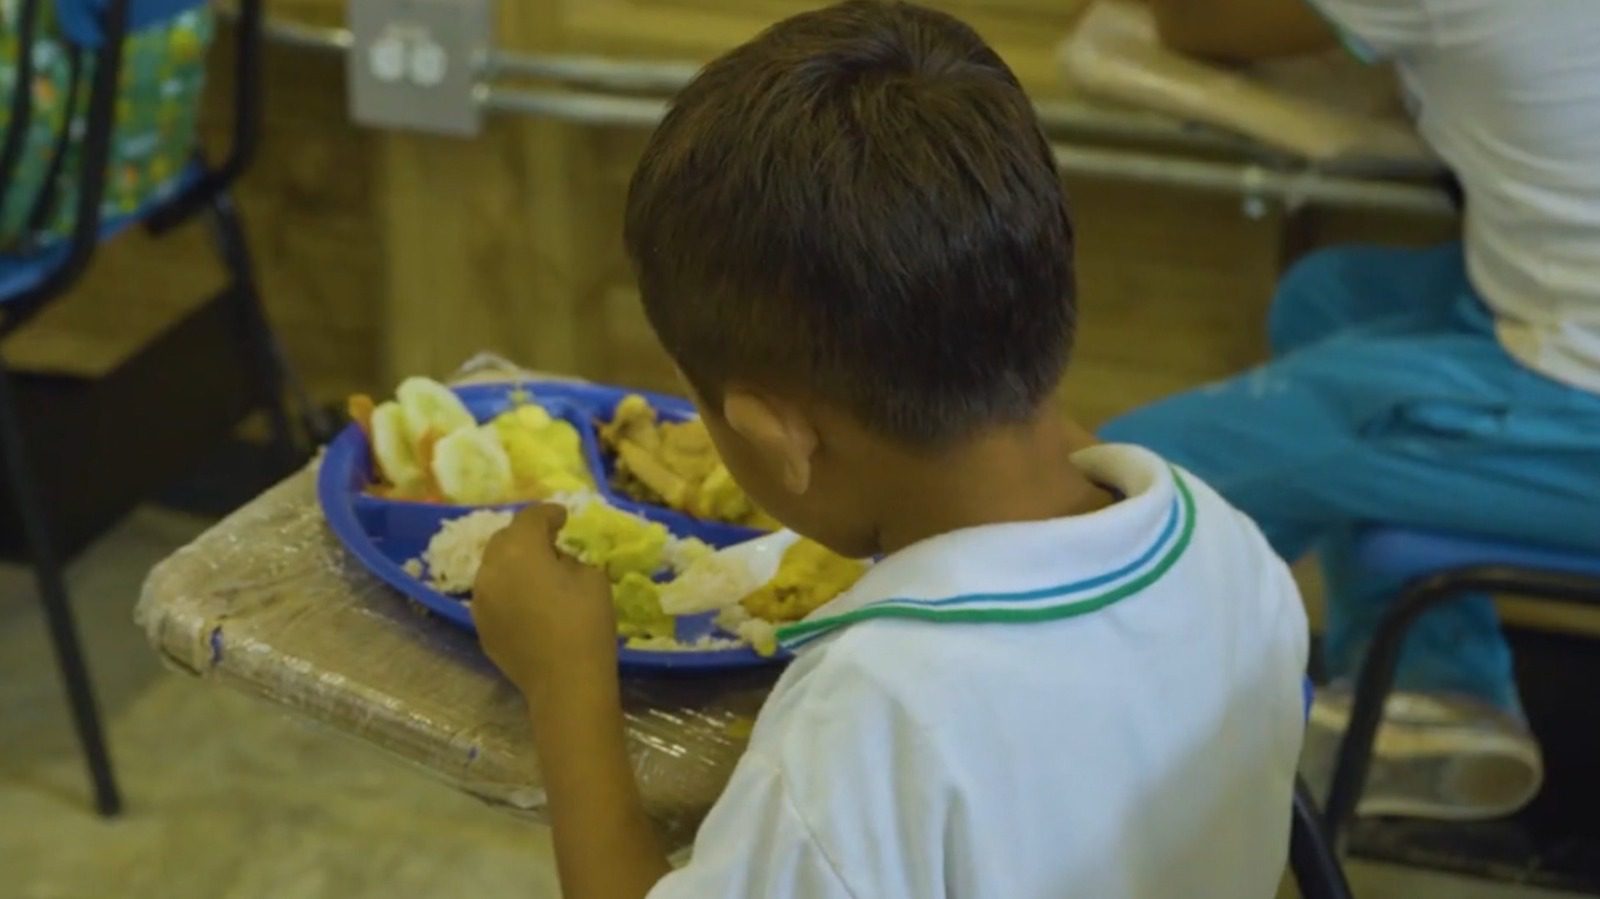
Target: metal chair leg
1317,872
32,512
1373,683
1376,677
275,380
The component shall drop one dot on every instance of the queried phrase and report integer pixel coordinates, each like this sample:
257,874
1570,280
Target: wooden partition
388,253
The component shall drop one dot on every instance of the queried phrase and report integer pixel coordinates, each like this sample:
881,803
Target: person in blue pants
1389,399
1456,387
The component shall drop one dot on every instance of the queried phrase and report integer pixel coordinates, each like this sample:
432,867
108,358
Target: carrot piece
360,407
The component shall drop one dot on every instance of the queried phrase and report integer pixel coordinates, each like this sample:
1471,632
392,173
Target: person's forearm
1241,30
605,846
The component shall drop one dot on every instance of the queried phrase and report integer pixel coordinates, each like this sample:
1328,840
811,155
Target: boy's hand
547,621
544,618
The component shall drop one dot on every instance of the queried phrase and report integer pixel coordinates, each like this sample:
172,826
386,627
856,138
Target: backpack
158,104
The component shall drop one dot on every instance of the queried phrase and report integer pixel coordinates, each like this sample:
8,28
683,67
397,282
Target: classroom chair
69,180
1313,862
1438,567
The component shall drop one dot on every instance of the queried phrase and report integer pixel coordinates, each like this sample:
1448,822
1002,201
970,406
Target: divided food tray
384,533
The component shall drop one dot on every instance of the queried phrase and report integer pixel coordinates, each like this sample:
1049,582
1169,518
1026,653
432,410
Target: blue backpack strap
19,110
79,20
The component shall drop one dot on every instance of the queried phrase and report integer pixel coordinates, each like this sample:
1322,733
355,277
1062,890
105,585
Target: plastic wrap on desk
268,602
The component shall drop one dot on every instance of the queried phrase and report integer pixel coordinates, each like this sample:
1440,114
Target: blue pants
1388,399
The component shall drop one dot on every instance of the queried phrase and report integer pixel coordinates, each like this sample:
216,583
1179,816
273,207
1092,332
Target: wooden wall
382,254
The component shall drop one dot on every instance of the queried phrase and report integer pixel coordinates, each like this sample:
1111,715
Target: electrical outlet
414,63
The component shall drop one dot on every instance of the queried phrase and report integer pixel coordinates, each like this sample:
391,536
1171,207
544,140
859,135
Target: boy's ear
778,429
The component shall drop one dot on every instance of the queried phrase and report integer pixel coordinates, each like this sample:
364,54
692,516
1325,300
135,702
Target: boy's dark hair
861,203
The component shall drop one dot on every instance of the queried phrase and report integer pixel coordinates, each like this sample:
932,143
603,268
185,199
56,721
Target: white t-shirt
1107,705
1507,92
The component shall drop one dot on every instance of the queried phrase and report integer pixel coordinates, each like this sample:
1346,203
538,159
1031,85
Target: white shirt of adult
1108,705
1508,95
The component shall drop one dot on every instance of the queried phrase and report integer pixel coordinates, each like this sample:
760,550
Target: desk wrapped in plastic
269,602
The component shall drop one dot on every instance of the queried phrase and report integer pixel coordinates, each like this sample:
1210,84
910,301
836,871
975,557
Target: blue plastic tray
383,534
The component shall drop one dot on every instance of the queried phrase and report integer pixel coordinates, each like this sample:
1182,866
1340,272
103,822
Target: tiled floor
229,799
226,796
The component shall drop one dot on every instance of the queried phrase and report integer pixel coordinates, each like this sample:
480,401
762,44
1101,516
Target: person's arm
1241,30
605,845
548,623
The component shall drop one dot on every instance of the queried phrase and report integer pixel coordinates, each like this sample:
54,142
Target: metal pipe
1291,188
587,109
668,76
1062,119
294,34
663,77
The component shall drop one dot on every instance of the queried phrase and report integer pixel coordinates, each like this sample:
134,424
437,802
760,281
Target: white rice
706,643
575,501
707,584
757,632
450,562
456,551
683,552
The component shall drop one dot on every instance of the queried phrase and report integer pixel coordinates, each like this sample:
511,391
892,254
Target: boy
1063,677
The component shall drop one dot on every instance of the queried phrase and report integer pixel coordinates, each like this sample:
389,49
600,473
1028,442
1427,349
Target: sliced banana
431,407
393,450
471,467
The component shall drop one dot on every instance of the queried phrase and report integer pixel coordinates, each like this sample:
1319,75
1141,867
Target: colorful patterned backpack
163,75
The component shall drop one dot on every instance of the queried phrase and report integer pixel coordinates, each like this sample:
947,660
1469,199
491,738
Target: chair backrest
80,20
156,112
95,145
1313,859
49,165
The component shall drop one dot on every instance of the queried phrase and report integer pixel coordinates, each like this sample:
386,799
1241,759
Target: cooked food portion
607,537
545,452
809,575
636,554
450,562
674,464
637,600
630,549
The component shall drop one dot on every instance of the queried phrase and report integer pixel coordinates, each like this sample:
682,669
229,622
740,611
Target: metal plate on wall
415,64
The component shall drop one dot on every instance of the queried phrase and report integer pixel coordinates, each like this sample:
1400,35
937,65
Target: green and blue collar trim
1050,603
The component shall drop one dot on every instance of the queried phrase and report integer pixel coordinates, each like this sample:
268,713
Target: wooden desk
269,603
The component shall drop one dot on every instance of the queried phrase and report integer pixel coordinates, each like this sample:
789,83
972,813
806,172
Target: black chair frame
209,195
1312,858
1375,680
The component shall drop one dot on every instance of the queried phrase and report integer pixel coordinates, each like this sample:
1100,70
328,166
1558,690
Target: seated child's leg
1431,430
1216,432
1335,289
1459,652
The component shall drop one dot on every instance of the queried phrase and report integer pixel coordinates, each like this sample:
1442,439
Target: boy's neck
1017,473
